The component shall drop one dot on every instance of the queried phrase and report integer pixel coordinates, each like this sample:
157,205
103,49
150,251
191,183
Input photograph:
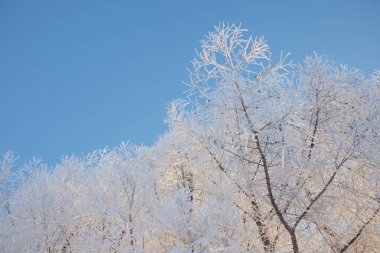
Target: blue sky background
80,75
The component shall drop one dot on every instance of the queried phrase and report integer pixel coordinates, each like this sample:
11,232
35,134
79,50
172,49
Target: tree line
261,156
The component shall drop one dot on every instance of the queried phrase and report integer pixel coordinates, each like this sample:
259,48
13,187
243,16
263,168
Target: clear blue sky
80,75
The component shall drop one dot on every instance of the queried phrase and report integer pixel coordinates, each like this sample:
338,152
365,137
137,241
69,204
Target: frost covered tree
262,156
100,203
300,155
